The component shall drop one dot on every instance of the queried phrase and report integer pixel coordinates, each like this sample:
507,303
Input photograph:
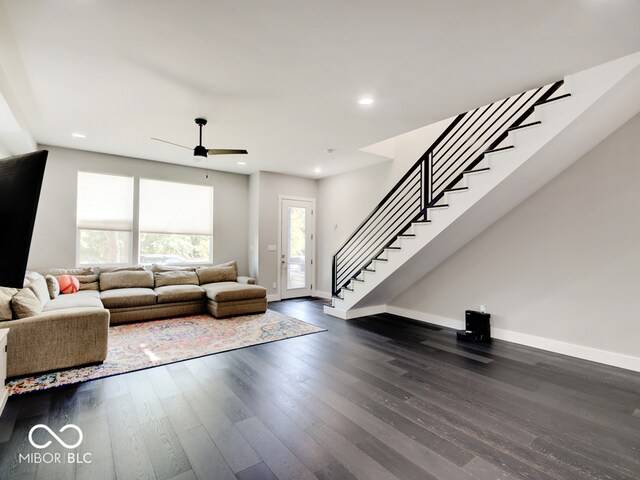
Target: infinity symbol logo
60,441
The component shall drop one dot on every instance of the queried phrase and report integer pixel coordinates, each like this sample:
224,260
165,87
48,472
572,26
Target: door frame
313,241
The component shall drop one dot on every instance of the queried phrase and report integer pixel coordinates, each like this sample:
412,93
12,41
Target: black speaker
477,327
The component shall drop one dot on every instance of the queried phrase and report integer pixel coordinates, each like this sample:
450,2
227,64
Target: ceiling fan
200,151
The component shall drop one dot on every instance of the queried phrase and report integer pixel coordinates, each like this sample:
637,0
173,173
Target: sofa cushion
6,294
179,293
88,282
81,299
128,297
38,285
176,277
170,268
30,276
126,268
56,272
216,274
25,304
126,279
232,291
246,280
53,286
232,263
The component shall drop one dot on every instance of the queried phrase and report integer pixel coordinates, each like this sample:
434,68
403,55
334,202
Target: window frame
134,248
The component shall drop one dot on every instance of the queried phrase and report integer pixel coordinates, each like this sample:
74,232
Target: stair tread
525,125
405,235
439,206
484,169
367,270
380,260
501,149
392,248
358,280
456,189
553,99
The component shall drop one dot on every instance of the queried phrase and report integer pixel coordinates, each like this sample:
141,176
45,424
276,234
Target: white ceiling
282,78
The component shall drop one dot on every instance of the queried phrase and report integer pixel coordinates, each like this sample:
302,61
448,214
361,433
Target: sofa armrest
246,280
57,339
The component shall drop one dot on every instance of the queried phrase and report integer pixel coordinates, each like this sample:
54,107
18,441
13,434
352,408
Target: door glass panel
296,250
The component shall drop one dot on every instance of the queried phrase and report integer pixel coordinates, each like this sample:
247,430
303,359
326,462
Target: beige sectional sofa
50,331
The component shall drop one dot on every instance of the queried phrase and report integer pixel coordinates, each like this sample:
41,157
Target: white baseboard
579,351
355,312
571,349
329,310
275,297
426,317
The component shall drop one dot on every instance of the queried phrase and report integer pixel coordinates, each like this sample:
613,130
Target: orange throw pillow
68,284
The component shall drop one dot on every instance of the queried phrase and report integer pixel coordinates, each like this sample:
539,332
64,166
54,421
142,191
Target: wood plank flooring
375,398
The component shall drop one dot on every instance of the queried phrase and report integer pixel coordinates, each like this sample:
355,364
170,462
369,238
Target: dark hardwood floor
374,398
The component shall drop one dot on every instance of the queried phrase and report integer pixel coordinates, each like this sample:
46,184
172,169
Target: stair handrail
517,111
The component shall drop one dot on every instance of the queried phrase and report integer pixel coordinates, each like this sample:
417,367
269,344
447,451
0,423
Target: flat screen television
20,182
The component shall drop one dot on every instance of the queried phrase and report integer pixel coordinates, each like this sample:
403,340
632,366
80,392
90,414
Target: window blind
105,202
169,207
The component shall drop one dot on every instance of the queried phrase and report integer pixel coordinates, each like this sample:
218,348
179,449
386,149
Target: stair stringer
603,99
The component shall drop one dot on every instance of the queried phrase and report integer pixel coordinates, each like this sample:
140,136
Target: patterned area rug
137,346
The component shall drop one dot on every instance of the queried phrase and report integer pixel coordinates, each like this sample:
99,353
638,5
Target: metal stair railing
460,148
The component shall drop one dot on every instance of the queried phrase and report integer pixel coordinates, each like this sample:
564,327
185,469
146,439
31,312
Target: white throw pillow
6,294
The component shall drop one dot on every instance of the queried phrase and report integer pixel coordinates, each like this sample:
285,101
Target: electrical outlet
275,285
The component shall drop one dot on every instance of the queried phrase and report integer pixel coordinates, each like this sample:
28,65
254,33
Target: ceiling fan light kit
201,151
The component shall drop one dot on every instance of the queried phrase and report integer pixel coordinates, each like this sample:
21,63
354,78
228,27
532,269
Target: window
104,218
176,222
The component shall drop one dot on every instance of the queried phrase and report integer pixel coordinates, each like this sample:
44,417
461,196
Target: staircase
482,165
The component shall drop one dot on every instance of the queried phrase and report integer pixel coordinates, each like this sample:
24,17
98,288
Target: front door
296,249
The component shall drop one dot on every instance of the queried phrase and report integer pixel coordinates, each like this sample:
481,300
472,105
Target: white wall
405,149
254,224
343,203
560,271
270,186
245,209
54,238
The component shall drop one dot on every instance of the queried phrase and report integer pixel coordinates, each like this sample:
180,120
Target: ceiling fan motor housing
200,151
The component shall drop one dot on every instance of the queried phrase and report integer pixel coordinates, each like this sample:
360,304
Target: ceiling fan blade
225,151
171,143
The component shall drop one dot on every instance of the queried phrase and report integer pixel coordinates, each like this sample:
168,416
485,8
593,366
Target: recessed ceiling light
317,170
242,163
78,135
365,101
